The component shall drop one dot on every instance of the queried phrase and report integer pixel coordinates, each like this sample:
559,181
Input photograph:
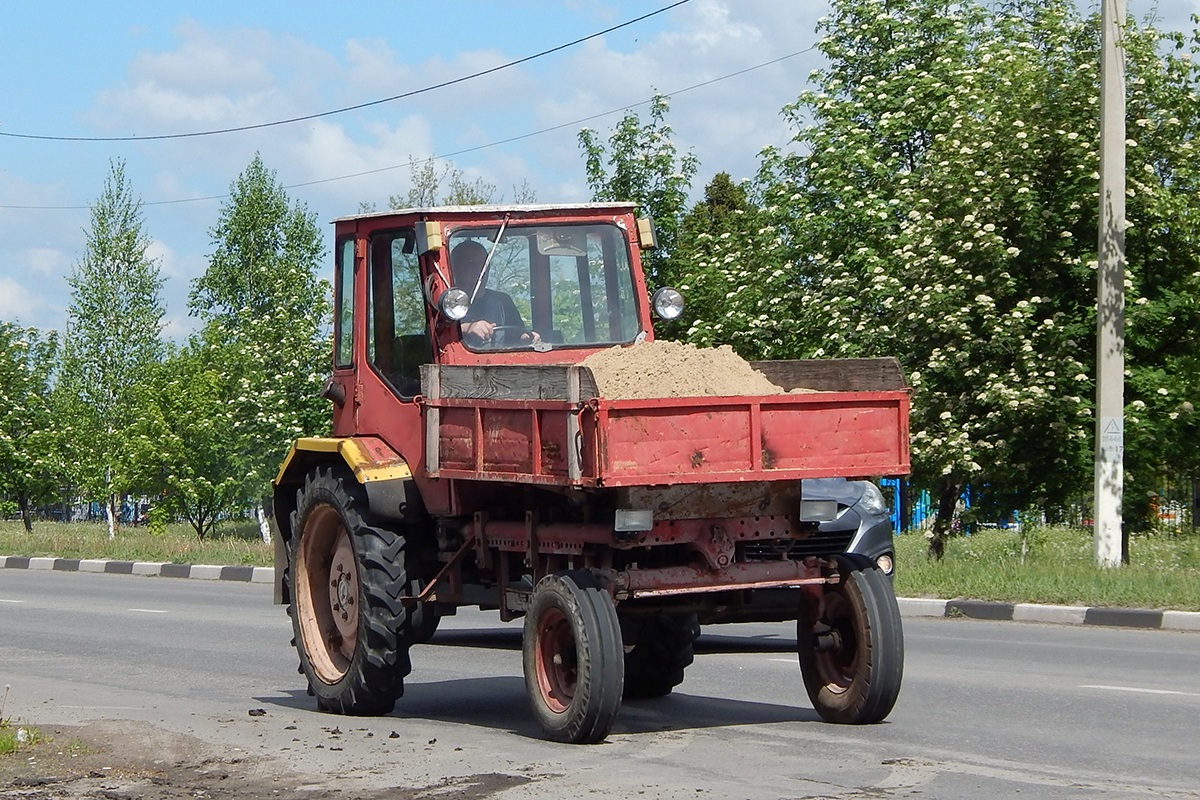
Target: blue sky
134,68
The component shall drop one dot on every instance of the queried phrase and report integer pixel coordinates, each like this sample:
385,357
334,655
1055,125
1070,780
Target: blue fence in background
922,510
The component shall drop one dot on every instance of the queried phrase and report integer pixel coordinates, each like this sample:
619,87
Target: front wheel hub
343,578
829,641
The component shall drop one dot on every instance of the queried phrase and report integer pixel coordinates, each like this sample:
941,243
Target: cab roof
496,210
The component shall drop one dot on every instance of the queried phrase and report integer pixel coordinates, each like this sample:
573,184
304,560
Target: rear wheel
659,649
851,647
423,618
346,580
573,659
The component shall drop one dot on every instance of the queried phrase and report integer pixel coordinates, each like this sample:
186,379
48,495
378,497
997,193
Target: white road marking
104,708
1137,690
14,602
148,610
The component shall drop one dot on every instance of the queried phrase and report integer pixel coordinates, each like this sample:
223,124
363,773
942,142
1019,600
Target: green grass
232,544
14,736
1041,565
1054,566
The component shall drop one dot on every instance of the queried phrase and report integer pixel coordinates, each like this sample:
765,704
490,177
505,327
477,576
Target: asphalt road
988,709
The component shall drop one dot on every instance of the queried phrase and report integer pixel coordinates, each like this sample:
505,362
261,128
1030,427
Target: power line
307,117
464,151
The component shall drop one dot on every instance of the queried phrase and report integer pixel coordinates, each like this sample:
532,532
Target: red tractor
480,465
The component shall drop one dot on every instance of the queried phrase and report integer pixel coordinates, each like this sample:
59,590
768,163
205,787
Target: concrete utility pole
1110,293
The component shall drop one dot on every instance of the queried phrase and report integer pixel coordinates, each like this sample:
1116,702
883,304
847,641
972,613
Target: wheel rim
557,665
327,600
835,644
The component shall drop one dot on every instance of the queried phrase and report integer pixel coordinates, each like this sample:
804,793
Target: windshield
544,286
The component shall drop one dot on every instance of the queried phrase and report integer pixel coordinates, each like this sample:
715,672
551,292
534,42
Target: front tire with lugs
346,580
573,659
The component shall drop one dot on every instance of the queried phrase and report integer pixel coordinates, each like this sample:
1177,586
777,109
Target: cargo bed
548,425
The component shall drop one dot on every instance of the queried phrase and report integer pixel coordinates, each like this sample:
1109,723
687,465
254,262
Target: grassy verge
233,544
1038,565
1055,566
13,735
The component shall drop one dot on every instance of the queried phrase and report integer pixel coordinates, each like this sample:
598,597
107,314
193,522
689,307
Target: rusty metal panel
667,581
781,437
673,441
669,440
715,500
850,434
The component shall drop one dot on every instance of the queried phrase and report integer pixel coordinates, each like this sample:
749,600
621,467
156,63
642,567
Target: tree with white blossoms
29,464
266,326
1163,285
642,165
943,209
113,337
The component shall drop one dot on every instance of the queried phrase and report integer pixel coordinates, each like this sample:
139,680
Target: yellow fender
368,457
381,471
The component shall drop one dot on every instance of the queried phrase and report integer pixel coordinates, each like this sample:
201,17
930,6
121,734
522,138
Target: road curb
1059,615
207,572
909,606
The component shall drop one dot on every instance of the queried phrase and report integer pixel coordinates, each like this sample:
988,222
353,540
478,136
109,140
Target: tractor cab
481,285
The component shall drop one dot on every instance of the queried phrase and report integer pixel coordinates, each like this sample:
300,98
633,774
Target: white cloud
18,304
46,261
214,78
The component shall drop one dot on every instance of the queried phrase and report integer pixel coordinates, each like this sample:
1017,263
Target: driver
489,309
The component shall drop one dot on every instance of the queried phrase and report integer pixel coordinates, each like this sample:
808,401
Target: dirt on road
123,760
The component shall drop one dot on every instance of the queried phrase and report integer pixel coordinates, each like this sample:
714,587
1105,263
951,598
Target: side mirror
647,238
429,237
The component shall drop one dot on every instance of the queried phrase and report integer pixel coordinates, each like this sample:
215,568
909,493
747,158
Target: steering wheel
509,336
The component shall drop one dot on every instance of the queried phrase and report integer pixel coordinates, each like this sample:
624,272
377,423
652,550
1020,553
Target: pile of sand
672,369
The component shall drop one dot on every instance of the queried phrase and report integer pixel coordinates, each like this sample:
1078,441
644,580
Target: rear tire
346,580
423,618
663,647
852,648
573,659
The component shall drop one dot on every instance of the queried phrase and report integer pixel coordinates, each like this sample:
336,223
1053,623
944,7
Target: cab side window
343,317
398,342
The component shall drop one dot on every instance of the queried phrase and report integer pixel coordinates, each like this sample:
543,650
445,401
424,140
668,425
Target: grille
818,544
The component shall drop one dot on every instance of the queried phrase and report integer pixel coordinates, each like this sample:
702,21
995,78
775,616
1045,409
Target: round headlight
454,303
668,303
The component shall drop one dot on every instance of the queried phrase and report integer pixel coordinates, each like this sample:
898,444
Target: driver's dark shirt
496,308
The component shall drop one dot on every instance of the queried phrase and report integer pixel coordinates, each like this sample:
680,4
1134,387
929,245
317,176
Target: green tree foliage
640,164
265,313
943,208
113,338
181,450
29,463
448,186
730,267
1162,313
